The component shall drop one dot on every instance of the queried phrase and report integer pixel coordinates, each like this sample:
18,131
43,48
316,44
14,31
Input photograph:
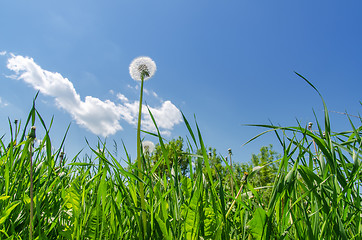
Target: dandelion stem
31,194
233,203
140,168
231,173
31,138
243,182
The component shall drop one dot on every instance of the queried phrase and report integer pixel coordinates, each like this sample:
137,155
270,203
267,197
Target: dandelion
148,147
142,67
257,168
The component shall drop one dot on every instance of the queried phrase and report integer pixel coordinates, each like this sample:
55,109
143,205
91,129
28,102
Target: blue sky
228,62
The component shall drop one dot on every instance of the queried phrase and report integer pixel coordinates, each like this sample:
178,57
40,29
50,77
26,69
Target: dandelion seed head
148,147
142,66
257,168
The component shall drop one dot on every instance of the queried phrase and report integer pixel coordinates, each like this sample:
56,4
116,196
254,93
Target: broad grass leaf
192,216
73,199
257,225
211,223
163,227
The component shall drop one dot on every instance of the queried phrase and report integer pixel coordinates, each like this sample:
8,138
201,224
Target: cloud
122,97
150,92
166,116
2,103
2,53
100,117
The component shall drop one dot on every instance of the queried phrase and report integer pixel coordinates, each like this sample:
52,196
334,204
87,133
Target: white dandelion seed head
142,65
148,147
257,168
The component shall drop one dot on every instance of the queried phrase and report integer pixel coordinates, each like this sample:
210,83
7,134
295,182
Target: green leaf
81,164
192,216
8,210
163,227
4,197
257,224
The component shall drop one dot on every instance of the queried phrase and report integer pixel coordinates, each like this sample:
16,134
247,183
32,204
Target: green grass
316,195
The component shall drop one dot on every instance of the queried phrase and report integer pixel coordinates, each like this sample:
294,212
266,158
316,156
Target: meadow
316,193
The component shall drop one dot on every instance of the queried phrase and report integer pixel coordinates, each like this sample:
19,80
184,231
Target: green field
315,193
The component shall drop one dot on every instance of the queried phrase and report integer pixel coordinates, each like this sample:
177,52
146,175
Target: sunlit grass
316,195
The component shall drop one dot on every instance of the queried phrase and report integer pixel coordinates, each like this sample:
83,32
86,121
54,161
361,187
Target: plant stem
233,203
231,174
140,168
31,138
31,193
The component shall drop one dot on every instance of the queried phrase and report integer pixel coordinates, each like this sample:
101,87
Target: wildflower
257,168
142,67
32,133
148,147
244,179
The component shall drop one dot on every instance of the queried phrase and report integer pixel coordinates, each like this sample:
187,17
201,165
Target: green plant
316,193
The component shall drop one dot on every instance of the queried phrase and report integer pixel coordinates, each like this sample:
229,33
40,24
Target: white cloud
100,117
150,92
166,116
2,53
122,97
2,103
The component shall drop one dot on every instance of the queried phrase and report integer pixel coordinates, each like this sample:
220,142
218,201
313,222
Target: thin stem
29,146
31,193
233,203
231,174
140,168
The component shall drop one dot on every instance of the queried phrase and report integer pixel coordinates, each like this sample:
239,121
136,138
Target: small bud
229,150
245,178
310,124
32,133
